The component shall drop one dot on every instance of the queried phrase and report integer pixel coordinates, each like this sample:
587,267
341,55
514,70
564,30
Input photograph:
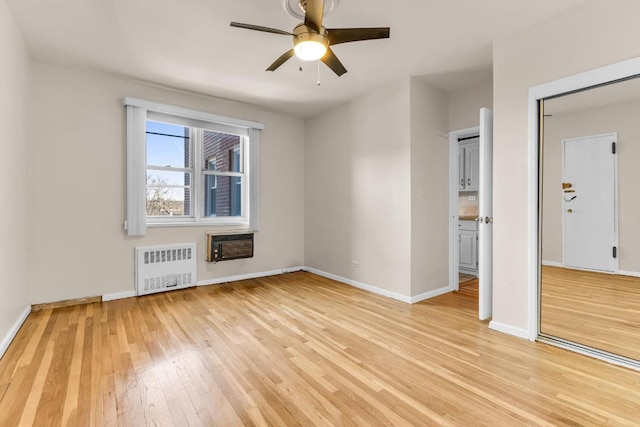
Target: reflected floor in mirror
468,285
599,310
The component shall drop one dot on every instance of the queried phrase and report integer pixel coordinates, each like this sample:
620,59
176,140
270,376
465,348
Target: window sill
222,227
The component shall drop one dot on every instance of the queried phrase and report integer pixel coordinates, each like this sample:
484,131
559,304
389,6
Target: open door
485,216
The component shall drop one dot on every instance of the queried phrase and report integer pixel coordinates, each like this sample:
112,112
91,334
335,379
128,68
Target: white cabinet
468,246
468,166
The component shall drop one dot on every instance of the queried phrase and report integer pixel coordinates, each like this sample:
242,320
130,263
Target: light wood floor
595,309
469,288
292,350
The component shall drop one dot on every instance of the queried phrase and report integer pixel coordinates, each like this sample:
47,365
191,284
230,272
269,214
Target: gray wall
14,166
590,36
78,246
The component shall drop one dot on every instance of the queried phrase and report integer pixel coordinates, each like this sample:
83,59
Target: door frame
599,76
454,174
613,135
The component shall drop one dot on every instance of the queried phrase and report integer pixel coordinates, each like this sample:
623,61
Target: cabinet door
461,171
468,256
472,166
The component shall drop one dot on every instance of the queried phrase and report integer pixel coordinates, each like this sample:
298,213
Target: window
189,168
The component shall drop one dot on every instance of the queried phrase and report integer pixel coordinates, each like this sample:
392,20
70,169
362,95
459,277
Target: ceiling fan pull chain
318,72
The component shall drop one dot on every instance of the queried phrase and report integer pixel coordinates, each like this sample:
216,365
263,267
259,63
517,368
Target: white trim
591,352
454,174
431,294
602,75
553,263
360,285
191,114
6,341
629,273
243,226
118,295
218,280
254,179
507,329
293,269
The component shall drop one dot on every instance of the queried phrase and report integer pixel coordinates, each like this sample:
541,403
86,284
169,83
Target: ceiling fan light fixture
310,46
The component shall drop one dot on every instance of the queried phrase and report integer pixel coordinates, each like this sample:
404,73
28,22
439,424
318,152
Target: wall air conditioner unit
225,247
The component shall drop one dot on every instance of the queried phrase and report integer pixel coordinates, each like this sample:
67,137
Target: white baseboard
118,295
355,284
6,341
360,285
553,264
218,280
507,329
629,273
129,294
430,294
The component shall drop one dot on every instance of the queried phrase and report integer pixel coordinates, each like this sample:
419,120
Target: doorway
471,212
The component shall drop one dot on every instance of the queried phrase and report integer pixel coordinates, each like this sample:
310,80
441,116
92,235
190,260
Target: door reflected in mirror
590,273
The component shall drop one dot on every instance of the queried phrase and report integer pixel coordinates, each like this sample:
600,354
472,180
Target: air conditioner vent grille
226,247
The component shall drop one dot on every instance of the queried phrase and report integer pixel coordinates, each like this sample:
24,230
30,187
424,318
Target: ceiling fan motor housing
304,34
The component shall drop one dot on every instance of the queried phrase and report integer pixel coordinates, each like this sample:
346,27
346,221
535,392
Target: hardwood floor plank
599,310
297,349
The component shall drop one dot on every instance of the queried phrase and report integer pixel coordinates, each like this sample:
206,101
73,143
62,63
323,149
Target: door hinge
615,252
613,147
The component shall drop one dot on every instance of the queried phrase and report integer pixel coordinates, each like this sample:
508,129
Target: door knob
569,210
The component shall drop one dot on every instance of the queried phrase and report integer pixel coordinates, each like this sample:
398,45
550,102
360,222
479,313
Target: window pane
168,201
221,147
223,196
167,178
167,145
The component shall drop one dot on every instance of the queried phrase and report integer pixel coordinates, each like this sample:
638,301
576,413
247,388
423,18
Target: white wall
78,246
620,118
429,179
590,36
465,104
358,190
14,166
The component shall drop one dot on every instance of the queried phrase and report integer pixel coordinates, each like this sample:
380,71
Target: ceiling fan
312,41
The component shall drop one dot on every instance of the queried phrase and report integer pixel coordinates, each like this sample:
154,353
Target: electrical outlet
355,264
472,198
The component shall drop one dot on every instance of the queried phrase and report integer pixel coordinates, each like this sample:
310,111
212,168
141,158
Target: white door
589,203
467,240
461,170
485,216
471,155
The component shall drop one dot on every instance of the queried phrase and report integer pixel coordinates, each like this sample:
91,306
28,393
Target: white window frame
138,112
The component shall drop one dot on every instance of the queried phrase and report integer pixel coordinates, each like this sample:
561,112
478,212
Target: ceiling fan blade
284,58
332,61
346,35
313,15
259,28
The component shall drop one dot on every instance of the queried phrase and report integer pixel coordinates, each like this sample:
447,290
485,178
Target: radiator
229,246
165,268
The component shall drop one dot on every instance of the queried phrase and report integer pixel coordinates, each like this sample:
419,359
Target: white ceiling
188,44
